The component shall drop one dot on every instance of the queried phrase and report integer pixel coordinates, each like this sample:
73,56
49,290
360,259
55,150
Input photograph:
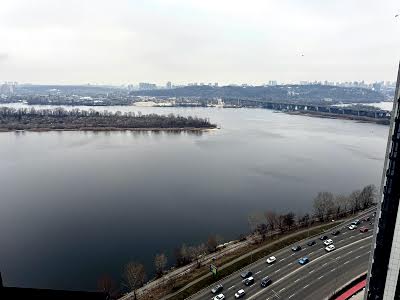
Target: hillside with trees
280,93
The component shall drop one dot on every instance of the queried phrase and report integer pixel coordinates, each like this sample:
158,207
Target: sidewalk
208,259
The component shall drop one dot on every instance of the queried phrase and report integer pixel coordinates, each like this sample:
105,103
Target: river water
76,205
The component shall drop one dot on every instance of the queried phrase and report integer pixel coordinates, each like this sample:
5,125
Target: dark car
217,289
323,237
296,248
311,243
246,274
266,281
248,281
335,232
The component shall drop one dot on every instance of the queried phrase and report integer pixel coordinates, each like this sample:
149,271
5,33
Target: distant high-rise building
272,82
168,85
376,86
384,268
7,88
147,86
216,84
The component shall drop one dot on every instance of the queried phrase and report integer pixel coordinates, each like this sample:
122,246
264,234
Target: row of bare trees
60,118
326,206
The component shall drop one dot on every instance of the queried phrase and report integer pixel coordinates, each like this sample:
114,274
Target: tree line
326,206
75,119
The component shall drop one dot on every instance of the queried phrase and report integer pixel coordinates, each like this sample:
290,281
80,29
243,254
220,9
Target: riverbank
325,115
59,119
102,129
188,280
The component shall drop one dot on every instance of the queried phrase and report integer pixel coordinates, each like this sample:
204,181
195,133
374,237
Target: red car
363,229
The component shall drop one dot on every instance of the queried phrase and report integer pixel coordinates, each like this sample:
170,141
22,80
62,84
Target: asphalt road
316,280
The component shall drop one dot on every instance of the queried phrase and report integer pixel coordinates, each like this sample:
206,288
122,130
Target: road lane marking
306,286
311,271
311,262
277,270
324,264
357,256
291,296
282,289
297,280
311,253
258,272
320,277
231,287
346,262
290,264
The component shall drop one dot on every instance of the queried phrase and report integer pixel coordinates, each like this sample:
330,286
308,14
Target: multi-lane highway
318,279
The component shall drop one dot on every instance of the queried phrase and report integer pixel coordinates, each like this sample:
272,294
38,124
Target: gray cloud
125,41
3,56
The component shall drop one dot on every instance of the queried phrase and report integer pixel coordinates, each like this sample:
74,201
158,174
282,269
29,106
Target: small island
32,119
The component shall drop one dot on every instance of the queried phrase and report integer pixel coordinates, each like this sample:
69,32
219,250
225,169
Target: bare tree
288,220
271,218
341,204
135,276
160,262
197,252
323,205
368,196
281,223
355,201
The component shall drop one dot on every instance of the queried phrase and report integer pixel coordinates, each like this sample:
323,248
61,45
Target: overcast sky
225,41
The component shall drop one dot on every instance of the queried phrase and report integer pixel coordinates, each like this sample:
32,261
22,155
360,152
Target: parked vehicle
352,227
363,229
323,237
328,242
335,232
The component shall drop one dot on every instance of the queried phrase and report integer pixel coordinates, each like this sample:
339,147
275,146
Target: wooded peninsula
32,119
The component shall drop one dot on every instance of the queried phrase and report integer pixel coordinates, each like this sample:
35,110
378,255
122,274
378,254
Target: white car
271,259
219,297
352,227
239,294
328,242
330,248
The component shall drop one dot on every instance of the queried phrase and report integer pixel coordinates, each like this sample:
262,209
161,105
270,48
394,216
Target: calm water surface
75,205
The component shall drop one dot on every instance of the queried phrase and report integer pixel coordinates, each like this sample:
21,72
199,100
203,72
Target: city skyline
186,41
